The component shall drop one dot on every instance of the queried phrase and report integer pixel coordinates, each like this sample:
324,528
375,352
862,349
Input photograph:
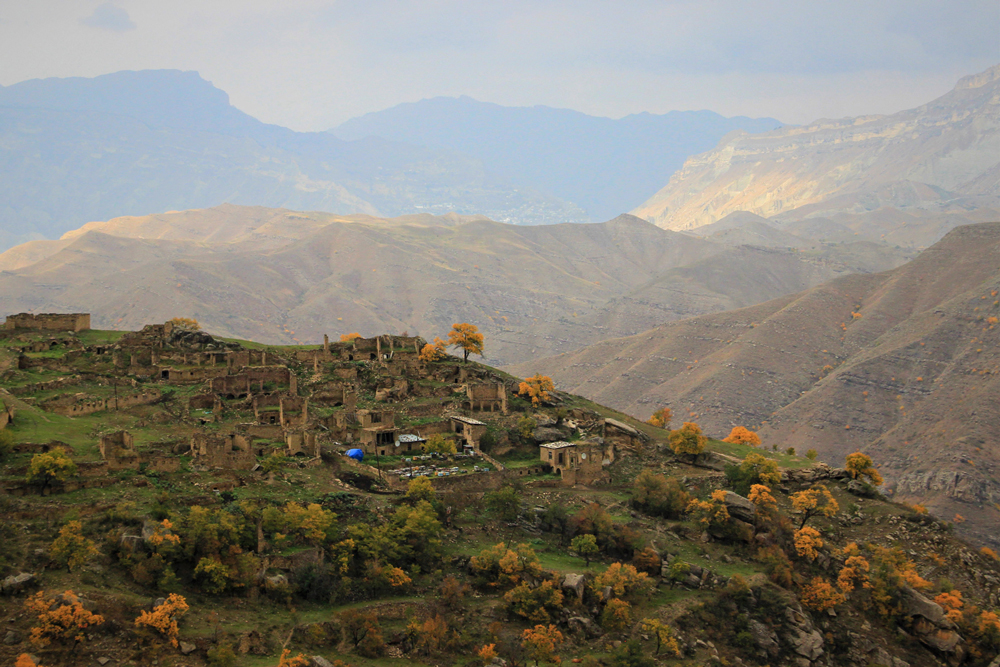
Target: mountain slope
259,273
924,158
902,364
77,150
604,165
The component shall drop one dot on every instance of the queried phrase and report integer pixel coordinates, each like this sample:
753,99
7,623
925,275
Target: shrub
541,642
659,496
807,542
623,579
663,634
62,619
163,619
616,615
755,469
819,595
71,549
539,605
711,513
585,546
500,567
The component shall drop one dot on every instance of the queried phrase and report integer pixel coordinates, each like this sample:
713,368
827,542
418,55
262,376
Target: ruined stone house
490,397
118,451
230,452
576,462
378,431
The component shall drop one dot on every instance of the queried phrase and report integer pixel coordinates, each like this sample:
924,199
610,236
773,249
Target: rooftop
409,437
467,420
558,445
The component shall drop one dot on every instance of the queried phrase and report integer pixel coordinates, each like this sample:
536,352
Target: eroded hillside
901,364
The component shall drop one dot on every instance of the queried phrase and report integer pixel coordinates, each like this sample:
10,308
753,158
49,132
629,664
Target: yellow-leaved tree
188,323
860,465
71,548
347,338
467,338
688,440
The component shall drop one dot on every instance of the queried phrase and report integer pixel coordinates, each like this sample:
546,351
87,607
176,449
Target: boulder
544,434
807,644
16,582
278,581
11,638
740,508
861,489
914,604
319,661
582,625
187,648
765,638
575,583
251,642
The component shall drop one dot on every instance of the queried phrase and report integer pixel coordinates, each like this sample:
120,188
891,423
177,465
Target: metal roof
559,445
409,437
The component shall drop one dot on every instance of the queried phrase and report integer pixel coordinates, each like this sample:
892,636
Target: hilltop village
375,501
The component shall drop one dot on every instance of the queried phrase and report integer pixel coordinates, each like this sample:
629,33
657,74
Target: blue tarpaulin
356,454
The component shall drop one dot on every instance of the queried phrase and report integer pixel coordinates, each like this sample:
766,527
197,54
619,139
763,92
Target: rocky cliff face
917,159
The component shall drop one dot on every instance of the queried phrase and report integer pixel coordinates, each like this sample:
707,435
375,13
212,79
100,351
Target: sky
312,64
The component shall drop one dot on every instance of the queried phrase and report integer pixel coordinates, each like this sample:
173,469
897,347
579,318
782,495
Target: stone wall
49,321
78,405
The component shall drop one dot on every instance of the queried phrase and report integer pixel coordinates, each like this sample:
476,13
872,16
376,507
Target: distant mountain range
904,365
134,143
279,276
940,159
605,166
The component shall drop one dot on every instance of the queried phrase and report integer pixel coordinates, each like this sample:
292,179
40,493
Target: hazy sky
311,64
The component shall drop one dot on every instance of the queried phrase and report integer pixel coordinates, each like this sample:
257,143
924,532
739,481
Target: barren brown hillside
281,276
902,364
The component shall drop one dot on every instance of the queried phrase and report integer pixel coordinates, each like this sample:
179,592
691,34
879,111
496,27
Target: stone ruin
49,321
118,451
231,452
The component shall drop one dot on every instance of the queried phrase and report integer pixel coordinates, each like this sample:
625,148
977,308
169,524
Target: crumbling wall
491,397
294,410
118,451
77,405
302,442
49,321
231,452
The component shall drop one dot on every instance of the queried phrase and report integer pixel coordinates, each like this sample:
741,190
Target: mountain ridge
937,156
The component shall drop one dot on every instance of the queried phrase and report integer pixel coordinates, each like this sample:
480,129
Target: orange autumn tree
24,660
433,351
855,570
815,501
537,388
163,618
467,338
760,495
347,338
861,466
61,619
540,644
807,542
819,595
952,604
712,512
740,435
661,418
286,659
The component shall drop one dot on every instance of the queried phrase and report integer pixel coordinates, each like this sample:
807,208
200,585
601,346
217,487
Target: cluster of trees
219,549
